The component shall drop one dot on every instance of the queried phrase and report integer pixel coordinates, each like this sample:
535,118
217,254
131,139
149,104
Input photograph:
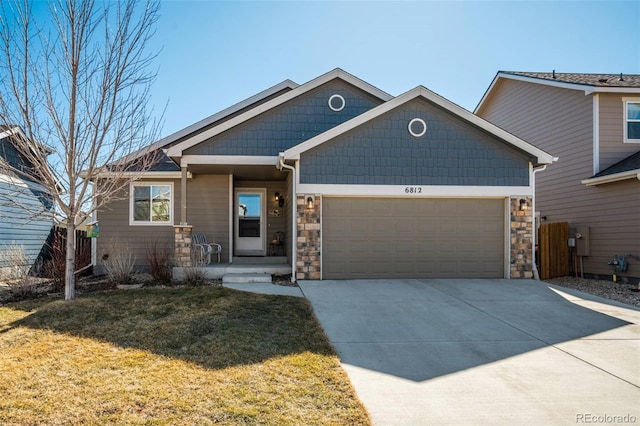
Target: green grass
171,356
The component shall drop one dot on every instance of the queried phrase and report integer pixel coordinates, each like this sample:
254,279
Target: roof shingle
632,162
595,80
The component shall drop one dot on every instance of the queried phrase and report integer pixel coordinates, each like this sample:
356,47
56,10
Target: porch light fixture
310,202
279,199
524,205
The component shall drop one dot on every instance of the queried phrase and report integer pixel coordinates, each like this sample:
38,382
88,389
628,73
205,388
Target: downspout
536,275
281,165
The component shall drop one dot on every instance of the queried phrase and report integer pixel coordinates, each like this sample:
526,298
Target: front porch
247,214
272,265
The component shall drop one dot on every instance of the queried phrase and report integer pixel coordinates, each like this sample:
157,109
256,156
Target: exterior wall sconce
279,199
310,202
524,205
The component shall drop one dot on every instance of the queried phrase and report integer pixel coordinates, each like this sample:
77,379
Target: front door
250,222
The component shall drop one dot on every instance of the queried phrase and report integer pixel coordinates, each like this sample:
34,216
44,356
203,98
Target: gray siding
289,124
27,223
612,148
559,121
208,209
117,234
26,211
383,152
207,212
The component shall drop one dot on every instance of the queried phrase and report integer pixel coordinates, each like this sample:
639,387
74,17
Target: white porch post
183,196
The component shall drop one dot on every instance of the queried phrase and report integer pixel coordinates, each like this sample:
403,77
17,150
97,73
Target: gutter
631,174
281,165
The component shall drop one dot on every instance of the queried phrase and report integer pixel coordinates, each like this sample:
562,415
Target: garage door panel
386,238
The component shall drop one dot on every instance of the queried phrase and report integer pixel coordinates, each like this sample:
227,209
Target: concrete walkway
266,288
510,352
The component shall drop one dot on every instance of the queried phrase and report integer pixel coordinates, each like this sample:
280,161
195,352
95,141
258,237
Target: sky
213,54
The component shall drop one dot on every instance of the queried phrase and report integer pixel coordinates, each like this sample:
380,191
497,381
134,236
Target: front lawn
204,355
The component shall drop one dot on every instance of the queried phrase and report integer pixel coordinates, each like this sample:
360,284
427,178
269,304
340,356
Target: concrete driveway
433,351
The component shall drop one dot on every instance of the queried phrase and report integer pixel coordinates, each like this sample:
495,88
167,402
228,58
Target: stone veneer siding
308,239
521,239
182,252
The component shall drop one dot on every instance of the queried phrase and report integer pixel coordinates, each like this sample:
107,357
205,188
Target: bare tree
74,92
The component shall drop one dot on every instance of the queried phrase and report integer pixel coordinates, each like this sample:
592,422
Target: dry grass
171,356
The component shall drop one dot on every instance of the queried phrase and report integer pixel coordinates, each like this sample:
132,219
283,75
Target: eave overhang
616,177
136,175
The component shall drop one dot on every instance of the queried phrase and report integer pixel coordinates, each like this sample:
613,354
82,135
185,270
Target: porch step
263,260
246,278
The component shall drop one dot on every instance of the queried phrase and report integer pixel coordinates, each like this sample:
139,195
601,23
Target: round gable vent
336,103
417,127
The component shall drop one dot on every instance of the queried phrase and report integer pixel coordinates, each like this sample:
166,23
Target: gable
289,124
13,158
383,152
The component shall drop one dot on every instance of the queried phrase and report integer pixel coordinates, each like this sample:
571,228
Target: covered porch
243,204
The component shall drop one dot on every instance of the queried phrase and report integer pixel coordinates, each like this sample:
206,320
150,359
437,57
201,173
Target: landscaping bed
621,292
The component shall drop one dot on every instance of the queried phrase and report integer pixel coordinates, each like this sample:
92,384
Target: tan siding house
580,118
359,183
117,233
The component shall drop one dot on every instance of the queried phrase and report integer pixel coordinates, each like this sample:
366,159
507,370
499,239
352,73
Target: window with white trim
632,121
150,203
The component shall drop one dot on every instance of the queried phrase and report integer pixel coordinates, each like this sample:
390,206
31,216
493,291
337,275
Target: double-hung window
632,121
150,203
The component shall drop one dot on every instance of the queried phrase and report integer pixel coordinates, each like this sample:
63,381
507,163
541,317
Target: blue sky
217,53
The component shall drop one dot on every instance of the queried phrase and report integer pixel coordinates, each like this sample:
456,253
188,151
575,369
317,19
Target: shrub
54,268
195,276
119,262
158,260
14,271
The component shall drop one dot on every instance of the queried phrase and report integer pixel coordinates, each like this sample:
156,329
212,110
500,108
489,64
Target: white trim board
419,191
238,160
630,174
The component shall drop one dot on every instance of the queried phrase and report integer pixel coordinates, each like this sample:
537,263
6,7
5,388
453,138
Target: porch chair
203,250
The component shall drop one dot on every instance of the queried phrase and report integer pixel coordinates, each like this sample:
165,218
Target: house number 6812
413,190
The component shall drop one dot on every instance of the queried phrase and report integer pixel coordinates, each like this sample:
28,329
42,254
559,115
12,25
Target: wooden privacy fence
54,250
553,250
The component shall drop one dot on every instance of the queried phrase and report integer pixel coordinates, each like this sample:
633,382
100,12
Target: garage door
412,238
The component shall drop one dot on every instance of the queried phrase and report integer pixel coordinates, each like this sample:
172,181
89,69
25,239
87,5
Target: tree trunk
70,265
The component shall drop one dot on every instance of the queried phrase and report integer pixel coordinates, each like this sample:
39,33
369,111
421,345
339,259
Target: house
26,207
361,183
592,122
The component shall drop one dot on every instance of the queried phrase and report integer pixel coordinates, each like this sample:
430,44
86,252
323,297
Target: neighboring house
592,123
26,207
362,184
